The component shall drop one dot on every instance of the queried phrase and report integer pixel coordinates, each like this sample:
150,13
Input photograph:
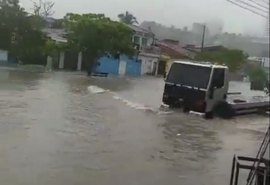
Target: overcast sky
179,13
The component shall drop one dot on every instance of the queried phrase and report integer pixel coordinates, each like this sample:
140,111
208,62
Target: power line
246,8
250,5
260,5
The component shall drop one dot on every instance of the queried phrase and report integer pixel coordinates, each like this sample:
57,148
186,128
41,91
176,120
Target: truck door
218,88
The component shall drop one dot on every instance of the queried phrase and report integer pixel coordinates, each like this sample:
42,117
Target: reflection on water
53,131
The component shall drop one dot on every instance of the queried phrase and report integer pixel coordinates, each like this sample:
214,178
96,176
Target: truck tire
186,107
209,115
224,110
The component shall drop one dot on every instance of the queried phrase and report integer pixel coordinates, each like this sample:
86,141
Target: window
218,78
144,42
190,75
136,40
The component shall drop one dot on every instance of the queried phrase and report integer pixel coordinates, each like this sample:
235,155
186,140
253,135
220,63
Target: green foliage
50,48
232,58
127,18
19,34
98,35
258,74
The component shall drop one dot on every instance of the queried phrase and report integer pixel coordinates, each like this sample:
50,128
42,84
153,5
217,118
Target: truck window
189,75
218,78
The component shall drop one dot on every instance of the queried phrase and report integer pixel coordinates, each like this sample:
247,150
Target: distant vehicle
203,87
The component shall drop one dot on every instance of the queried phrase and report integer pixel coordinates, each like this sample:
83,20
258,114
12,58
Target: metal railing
259,166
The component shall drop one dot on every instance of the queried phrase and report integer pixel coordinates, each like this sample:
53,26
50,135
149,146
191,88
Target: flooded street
55,130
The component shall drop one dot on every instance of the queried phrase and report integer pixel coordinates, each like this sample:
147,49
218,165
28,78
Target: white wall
266,62
3,55
148,65
148,43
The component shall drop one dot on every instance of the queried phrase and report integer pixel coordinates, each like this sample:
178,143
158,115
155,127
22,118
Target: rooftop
175,48
140,29
56,34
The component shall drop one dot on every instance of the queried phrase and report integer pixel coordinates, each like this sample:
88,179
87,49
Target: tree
127,18
18,35
232,58
98,35
11,16
43,8
258,74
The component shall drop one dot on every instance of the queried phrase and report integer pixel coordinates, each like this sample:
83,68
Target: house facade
145,62
171,50
148,53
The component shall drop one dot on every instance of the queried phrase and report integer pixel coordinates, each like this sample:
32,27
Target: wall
111,65
133,67
71,60
3,56
107,65
168,65
148,65
265,62
149,40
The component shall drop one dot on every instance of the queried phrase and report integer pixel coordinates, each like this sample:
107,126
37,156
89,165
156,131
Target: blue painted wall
110,65
133,67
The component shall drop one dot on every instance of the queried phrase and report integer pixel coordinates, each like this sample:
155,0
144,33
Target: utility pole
203,36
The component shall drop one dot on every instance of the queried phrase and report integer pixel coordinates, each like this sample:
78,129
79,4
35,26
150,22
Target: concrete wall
3,55
133,66
107,65
149,40
149,65
123,66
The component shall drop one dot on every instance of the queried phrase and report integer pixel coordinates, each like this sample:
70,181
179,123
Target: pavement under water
56,130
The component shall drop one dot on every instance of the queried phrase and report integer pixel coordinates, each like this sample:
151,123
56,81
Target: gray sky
179,13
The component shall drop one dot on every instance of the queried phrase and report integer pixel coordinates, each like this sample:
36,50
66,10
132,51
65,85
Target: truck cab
196,86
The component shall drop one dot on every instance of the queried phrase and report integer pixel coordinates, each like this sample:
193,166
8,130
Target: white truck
203,87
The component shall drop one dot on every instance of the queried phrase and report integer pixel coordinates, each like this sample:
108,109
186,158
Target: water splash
96,90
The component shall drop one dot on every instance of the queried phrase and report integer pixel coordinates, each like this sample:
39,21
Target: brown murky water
53,130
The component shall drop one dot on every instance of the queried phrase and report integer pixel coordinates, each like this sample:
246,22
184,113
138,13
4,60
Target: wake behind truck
203,88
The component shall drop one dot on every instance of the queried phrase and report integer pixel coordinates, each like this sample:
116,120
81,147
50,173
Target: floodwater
55,129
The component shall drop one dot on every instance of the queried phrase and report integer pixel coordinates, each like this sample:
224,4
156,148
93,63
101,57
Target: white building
148,54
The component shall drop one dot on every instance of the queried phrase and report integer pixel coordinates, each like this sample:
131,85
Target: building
122,65
142,38
196,49
170,51
148,53
144,62
197,29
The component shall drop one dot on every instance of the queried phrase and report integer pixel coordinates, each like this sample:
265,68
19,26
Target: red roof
173,50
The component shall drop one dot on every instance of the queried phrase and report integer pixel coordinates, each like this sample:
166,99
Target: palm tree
127,18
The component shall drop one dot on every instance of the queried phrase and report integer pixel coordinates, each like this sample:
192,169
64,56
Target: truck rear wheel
209,115
224,110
